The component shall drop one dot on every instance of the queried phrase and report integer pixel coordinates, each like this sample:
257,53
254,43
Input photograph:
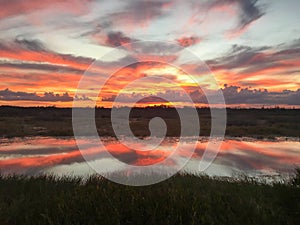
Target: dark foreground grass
182,199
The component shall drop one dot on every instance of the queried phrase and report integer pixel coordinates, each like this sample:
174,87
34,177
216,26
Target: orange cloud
188,41
17,52
17,7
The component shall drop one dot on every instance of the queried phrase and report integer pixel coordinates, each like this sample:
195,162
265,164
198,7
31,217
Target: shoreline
200,138
254,123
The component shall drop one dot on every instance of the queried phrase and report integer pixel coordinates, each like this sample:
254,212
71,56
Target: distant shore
51,121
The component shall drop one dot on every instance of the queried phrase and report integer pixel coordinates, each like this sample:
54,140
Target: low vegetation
51,121
182,199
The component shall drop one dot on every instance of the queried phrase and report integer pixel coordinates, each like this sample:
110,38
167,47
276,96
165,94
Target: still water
60,156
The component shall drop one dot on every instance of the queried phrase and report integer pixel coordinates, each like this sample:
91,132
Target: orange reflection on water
34,155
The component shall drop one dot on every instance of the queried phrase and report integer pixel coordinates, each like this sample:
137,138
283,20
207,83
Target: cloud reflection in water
61,156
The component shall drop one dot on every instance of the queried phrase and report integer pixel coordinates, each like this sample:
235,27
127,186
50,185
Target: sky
248,49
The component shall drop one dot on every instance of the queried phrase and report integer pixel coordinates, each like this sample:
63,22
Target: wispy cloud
42,43
247,11
136,14
260,67
35,51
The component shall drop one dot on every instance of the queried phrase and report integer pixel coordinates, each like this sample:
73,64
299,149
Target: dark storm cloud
8,95
237,95
232,94
174,96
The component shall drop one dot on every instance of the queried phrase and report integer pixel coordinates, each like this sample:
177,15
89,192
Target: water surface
60,156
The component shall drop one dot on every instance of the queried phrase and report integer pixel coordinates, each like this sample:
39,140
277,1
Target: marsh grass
182,199
51,121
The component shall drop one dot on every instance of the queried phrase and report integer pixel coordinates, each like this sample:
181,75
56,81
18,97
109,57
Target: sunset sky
252,48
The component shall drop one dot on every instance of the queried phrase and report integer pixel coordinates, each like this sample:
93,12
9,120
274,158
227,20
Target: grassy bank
183,199
258,123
